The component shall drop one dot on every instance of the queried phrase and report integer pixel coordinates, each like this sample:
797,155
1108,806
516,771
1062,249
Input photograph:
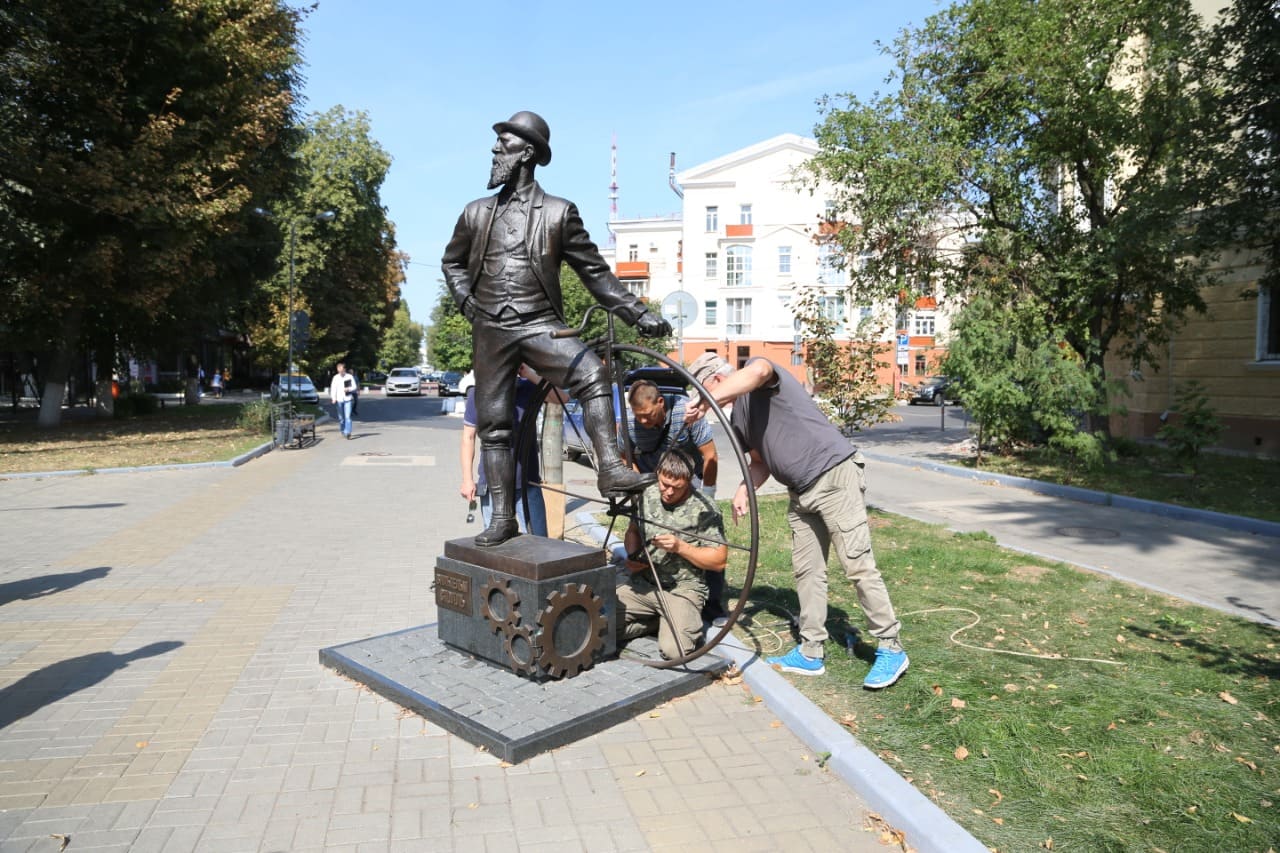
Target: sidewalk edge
928,828
1237,523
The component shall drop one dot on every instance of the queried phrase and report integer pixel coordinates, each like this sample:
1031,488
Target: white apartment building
749,238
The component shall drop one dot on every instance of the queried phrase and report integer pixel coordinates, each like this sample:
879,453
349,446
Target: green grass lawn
172,435
1047,707
1232,484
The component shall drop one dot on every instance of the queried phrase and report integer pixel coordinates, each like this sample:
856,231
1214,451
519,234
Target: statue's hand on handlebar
652,326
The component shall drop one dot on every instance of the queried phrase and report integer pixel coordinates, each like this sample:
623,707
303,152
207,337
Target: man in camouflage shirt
679,537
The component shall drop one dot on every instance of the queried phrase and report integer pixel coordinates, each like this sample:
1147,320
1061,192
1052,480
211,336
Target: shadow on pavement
43,585
59,680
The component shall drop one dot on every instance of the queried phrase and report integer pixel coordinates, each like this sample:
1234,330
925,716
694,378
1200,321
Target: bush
133,405
255,417
1194,427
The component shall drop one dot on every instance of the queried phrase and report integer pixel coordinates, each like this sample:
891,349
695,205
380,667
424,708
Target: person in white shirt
340,394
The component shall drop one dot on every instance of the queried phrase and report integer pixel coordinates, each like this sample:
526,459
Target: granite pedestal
542,607
462,675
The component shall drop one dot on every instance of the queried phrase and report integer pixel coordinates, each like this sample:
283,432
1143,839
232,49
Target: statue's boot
614,478
500,470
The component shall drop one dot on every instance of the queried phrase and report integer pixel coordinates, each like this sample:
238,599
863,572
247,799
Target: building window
637,286
830,266
633,252
713,219
744,214
829,211
709,309
922,325
920,364
833,309
737,266
711,265
737,320
784,260
1268,324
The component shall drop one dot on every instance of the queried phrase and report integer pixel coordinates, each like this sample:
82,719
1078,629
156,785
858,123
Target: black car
449,381
938,391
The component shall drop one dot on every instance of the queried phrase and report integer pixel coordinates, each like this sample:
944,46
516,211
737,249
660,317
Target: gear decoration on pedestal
492,593
574,607
521,651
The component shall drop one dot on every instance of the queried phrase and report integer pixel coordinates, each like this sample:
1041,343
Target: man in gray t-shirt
786,436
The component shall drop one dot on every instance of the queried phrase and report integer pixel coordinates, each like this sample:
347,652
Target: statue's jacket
555,234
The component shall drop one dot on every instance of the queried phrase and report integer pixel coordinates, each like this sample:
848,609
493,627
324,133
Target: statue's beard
504,168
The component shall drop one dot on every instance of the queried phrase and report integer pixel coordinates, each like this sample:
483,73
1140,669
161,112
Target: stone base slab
514,718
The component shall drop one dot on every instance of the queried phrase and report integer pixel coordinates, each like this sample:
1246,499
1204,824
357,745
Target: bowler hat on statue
533,129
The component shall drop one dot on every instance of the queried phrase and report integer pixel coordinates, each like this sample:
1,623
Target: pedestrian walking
340,396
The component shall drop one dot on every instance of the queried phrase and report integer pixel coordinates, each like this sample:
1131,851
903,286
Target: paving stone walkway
160,689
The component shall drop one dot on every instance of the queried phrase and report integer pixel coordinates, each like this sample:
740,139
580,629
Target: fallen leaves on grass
1228,698
961,753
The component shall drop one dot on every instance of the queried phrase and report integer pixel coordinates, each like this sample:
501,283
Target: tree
1019,384
1242,60
844,372
348,271
402,343
133,136
449,336
1062,145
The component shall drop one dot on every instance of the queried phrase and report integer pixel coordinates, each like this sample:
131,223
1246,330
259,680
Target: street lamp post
325,216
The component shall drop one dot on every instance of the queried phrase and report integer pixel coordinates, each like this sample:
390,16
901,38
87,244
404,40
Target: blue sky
701,79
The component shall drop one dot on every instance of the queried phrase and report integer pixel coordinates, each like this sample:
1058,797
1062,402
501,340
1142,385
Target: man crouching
680,536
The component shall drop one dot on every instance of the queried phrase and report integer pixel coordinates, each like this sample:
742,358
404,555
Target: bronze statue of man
502,266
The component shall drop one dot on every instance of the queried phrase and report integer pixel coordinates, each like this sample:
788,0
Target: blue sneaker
797,662
887,669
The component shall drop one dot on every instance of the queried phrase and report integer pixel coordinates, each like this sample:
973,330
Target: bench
291,427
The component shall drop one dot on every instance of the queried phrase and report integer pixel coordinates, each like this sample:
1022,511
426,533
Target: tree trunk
104,364
55,383
1098,419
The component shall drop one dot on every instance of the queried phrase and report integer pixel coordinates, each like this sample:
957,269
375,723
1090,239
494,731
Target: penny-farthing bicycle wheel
742,538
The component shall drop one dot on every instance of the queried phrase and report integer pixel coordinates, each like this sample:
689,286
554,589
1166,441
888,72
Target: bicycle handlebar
582,327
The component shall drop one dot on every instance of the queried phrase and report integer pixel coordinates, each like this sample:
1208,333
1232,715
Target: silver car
403,380
296,387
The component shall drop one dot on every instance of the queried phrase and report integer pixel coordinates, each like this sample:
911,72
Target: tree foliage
844,373
347,272
449,335
1059,147
1019,384
1242,60
134,136
402,343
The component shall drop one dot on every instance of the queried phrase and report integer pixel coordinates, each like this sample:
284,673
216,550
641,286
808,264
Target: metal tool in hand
471,511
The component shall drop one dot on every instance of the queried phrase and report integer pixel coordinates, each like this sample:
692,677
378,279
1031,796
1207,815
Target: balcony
633,269
737,231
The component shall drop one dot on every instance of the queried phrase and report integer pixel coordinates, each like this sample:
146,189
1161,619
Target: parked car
466,383
449,381
402,380
296,387
938,391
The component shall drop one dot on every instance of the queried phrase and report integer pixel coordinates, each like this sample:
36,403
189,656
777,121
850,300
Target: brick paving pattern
160,688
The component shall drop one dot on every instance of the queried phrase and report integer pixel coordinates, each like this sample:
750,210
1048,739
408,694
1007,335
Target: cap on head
706,365
533,129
